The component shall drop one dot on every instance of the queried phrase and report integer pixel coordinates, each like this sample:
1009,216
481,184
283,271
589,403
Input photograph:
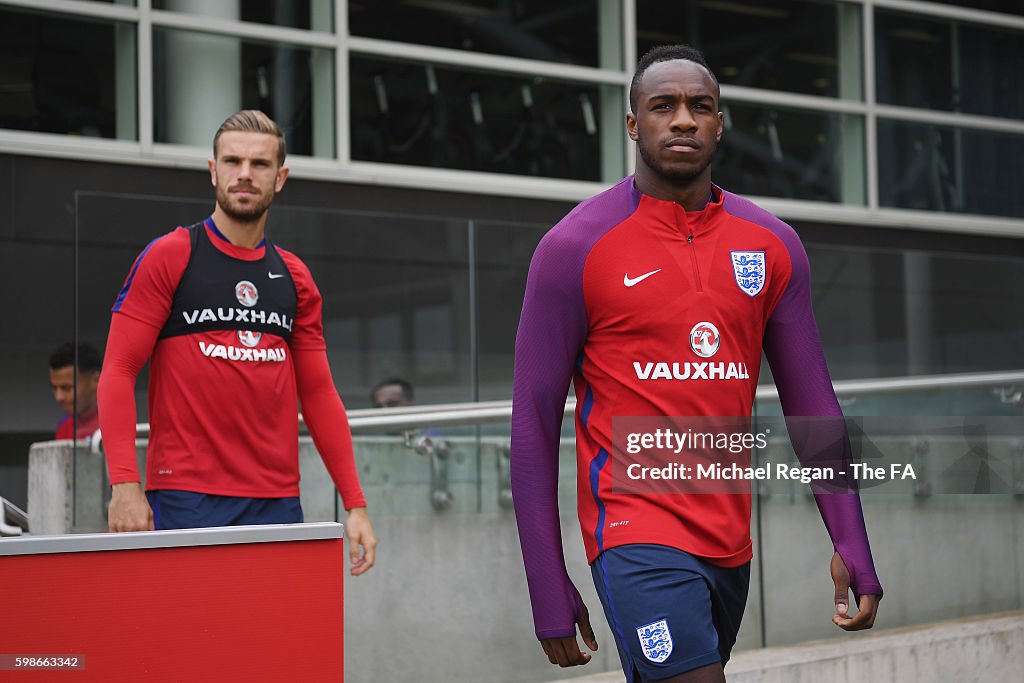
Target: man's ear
212,163
631,126
282,175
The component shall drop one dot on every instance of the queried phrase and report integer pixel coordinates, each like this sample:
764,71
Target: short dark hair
406,387
252,121
665,53
89,359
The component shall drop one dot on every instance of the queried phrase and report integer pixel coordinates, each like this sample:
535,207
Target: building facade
432,144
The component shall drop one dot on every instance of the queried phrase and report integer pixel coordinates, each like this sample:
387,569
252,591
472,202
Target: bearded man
232,328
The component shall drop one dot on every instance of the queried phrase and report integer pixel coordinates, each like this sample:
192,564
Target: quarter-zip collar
686,223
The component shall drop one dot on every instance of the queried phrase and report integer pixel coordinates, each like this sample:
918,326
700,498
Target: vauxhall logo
239,315
705,341
247,295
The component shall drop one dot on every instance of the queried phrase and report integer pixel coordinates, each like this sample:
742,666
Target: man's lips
683,145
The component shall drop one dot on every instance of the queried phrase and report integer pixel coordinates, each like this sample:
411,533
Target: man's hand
866,608
359,532
129,510
566,652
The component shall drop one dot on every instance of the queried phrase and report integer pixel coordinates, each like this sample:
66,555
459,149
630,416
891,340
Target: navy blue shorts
670,611
190,510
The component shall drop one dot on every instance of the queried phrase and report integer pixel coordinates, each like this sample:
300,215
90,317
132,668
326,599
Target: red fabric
631,327
88,423
128,346
218,424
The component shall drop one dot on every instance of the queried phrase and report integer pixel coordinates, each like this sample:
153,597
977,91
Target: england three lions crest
656,641
748,266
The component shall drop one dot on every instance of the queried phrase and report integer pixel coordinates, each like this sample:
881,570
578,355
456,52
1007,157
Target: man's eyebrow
671,97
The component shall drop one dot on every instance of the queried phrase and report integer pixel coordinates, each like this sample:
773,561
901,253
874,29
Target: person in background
393,392
81,419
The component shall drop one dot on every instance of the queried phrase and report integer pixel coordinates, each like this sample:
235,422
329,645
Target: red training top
234,338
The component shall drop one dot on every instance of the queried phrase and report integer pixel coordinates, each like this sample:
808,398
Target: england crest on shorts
656,640
748,266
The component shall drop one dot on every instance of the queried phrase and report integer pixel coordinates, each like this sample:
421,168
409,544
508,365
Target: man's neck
692,196
248,234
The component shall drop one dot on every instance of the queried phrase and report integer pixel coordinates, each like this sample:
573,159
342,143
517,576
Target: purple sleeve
551,333
793,348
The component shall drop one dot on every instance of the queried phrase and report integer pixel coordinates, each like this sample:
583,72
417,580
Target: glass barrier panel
936,492
503,253
924,309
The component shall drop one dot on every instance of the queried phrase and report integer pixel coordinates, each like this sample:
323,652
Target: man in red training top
656,298
231,326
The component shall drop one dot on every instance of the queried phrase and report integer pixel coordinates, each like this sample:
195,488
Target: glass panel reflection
948,65
776,152
940,168
503,258
532,29
789,45
395,298
66,75
215,76
917,311
422,115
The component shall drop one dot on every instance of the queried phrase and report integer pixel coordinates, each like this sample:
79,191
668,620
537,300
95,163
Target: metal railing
1006,385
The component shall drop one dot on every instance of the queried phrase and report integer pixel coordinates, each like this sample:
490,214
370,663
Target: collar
216,231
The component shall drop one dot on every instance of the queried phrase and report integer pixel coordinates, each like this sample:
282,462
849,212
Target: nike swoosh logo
629,282
274,277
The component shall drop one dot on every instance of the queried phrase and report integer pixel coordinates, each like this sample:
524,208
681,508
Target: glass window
305,14
67,75
948,65
422,115
789,45
776,152
530,29
200,79
940,168
1004,6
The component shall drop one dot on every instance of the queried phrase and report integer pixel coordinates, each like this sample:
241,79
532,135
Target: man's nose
684,119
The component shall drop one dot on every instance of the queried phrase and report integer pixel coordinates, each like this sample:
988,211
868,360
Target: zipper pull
689,239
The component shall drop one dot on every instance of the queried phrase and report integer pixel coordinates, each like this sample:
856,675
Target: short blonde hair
252,121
